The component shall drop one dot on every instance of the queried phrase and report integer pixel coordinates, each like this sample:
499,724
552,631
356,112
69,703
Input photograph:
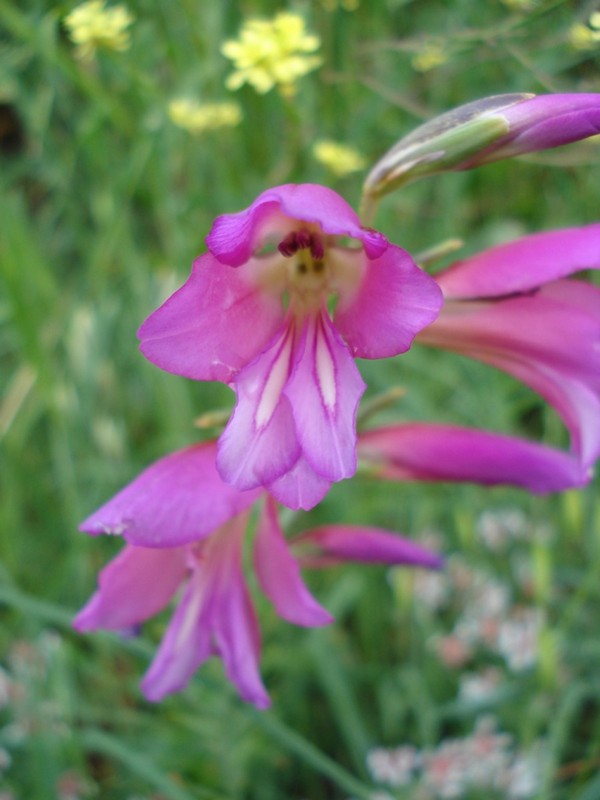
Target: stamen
316,247
304,239
289,245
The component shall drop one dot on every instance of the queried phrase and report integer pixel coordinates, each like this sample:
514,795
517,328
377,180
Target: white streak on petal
274,384
325,369
191,615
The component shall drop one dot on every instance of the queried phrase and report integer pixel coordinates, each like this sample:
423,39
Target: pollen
197,118
92,25
272,53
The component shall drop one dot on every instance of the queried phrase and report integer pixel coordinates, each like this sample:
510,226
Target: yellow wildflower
91,25
200,117
429,56
586,37
271,53
339,158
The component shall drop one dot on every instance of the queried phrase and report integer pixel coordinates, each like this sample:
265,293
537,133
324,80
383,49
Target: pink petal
184,648
234,624
279,574
134,586
549,340
300,487
445,453
217,322
368,545
523,264
235,237
324,391
214,617
259,443
178,499
392,303
550,120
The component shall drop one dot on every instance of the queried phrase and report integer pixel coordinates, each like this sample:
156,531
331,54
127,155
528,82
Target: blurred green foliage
104,203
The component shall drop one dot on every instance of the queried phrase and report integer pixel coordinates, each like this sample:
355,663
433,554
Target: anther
304,239
289,245
316,247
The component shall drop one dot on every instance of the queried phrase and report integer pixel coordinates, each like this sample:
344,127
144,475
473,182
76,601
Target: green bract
447,142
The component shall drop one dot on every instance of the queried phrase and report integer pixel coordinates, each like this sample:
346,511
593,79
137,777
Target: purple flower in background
514,307
254,314
184,530
431,452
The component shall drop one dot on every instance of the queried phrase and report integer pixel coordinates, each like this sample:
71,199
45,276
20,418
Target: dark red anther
316,247
289,245
304,239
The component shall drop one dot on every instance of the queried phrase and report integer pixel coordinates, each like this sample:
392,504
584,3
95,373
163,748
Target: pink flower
514,307
185,529
254,314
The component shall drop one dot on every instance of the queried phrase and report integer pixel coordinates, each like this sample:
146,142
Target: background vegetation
104,202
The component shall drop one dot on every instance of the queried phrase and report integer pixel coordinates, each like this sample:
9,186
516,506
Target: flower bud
485,130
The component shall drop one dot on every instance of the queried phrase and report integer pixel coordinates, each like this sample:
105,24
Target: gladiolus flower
184,529
514,307
255,314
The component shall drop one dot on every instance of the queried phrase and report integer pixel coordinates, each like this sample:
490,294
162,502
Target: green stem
312,755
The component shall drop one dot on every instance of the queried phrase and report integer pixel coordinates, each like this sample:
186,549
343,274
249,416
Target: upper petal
523,264
430,452
234,237
217,322
381,315
324,391
279,574
134,586
178,499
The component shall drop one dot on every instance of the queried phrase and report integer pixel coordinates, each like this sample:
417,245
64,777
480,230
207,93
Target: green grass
104,203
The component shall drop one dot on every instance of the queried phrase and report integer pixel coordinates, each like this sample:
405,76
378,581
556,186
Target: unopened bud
485,130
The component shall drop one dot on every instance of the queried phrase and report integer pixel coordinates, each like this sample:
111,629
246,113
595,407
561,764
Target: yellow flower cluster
429,56
200,117
92,25
339,158
586,37
271,53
